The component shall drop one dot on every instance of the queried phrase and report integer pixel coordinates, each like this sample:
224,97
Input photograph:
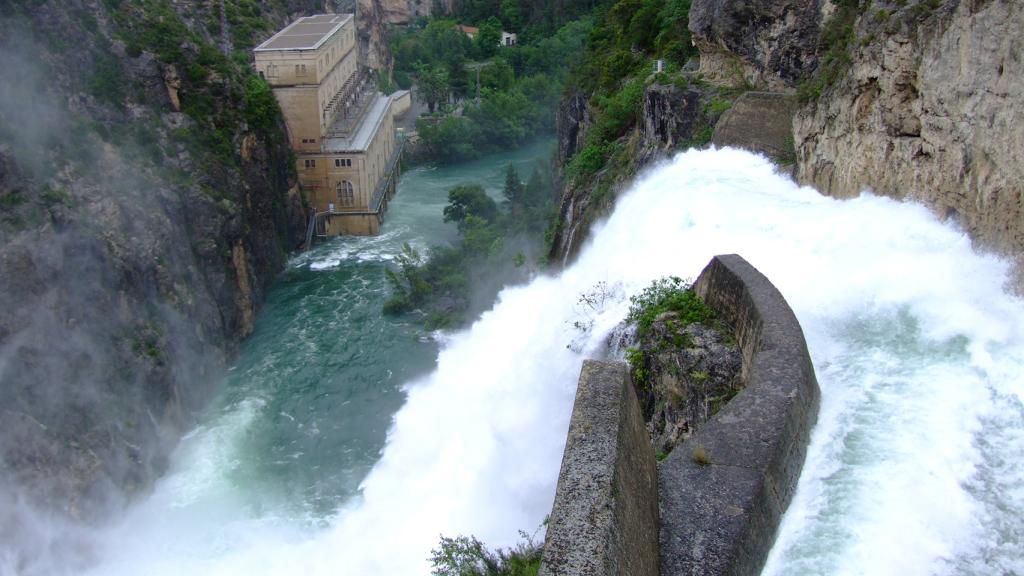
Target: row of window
345,194
309,140
338,162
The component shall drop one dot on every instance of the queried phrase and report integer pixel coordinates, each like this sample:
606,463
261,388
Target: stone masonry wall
721,494
605,518
723,491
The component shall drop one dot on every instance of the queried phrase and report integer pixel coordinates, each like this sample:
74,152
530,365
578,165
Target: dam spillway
914,466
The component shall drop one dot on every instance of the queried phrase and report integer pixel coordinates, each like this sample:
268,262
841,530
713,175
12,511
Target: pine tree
513,187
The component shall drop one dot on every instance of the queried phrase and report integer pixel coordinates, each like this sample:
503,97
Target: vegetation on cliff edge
483,99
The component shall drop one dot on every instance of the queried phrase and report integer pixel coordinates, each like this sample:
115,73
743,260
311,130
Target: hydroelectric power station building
341,128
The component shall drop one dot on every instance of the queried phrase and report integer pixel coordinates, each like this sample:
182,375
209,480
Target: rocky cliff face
768,43
405,11
147,202
370,22
930,110
671,117
913,99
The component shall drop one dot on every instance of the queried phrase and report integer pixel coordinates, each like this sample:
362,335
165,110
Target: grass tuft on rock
700,456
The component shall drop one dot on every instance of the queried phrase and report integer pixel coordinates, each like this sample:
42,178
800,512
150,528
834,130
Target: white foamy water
915,465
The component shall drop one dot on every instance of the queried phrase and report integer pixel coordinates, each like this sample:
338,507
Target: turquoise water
324,367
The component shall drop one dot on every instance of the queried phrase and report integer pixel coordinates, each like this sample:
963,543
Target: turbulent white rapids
916,464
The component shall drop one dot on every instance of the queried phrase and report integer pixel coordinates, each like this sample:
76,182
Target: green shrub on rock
669,294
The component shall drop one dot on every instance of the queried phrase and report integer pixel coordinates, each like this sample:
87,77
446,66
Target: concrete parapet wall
719,514
402,104
605,517
721,493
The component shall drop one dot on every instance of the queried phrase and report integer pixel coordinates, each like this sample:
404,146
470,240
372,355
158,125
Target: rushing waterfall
916,463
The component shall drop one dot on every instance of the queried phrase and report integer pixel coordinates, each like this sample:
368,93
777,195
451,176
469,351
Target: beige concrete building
341,128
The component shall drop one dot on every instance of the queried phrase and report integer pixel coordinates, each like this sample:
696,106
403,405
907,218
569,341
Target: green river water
323,373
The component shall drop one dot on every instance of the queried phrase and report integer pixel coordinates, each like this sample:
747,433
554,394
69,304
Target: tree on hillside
433,84
513,191
499,75
469,200
458,78
443,39
511,16
489,37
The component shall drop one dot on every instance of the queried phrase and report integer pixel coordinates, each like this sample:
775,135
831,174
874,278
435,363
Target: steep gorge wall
669,118
916,99
147,200
930,110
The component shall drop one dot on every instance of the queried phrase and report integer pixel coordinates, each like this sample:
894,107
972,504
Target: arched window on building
346,193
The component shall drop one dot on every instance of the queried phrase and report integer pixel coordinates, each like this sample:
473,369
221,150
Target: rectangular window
342,162
310,163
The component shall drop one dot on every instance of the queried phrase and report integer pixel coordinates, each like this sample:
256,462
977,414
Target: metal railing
311,229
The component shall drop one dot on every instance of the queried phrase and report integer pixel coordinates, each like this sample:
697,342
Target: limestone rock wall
404,11
926,108
768,43
135,250
371,18
669,118
930,111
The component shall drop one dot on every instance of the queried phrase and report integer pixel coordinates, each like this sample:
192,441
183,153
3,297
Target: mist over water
915,467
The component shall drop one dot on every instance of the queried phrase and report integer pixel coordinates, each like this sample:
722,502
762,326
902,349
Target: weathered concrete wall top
723,492
605,517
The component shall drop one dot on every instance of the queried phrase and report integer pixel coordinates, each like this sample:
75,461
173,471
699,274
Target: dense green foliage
467,556
468,201
531,19
486,98
627,35
665,295
669,294
221,94
494,243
